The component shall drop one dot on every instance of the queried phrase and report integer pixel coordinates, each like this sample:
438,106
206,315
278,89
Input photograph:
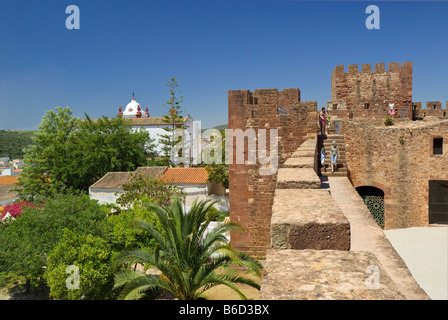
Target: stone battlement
432,109
373,89
310,255
379,68
252,194
429,105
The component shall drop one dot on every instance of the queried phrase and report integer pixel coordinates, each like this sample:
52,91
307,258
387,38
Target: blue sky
208,46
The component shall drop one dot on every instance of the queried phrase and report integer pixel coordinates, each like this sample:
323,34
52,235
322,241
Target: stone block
308,219
303,153
302,162
325,275
297,178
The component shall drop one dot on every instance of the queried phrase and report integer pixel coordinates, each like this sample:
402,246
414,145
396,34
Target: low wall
324,275
310,242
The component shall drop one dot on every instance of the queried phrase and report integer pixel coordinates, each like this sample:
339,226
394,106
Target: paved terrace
324,243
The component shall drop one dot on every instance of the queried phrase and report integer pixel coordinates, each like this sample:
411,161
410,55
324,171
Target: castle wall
433,109
251,194
372,89
399,160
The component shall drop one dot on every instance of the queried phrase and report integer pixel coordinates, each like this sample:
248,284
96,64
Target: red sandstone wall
251,194
376,157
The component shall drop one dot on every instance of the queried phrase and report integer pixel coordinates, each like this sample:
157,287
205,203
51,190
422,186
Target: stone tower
368,89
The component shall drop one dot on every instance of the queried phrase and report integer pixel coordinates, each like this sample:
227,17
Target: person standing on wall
334,156
322,120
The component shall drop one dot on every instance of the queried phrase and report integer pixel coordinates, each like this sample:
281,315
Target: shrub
26,242
15,209
388,121
140,188
90,255
121,233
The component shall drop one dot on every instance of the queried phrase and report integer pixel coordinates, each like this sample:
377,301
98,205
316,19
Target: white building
154,125
9,171
192,182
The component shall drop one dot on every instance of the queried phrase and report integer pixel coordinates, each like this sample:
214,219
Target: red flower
15,209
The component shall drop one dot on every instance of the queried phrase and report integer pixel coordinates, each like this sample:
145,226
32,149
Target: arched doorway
374,200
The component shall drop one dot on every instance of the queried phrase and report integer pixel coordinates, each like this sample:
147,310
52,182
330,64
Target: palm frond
188,254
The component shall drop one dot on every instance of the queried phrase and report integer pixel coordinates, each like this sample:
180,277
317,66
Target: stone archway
374,200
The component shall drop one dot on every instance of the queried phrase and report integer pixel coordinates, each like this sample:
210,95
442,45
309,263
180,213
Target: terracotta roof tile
8,180
154,172
112,180
150,121
185,175
116,180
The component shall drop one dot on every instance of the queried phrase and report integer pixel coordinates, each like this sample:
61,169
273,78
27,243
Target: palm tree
187,255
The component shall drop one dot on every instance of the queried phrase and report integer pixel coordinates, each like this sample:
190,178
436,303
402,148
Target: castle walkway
366,235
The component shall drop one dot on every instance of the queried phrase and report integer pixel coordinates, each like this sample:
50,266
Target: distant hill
12,143
222,127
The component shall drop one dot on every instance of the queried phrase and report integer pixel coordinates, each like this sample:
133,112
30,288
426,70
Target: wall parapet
310,255
367,68
251,193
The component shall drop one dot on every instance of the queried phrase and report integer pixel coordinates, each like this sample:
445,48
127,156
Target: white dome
131,109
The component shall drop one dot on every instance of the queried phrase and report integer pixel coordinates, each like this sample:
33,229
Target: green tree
122,235
26,242
141,187
88,257
215,162
46,158
69,155
174,119
12,143
187,255
218,173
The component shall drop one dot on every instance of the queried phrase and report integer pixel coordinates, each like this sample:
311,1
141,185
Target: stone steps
326,141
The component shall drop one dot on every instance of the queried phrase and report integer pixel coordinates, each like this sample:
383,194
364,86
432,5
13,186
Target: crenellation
366,68
352,68
339,69
433,105
380,67
367,90
394,67
417,106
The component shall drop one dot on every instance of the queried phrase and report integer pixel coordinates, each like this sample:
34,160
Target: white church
154,125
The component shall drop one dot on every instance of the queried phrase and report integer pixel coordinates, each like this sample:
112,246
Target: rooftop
185,175
116,180
8,180
151,121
